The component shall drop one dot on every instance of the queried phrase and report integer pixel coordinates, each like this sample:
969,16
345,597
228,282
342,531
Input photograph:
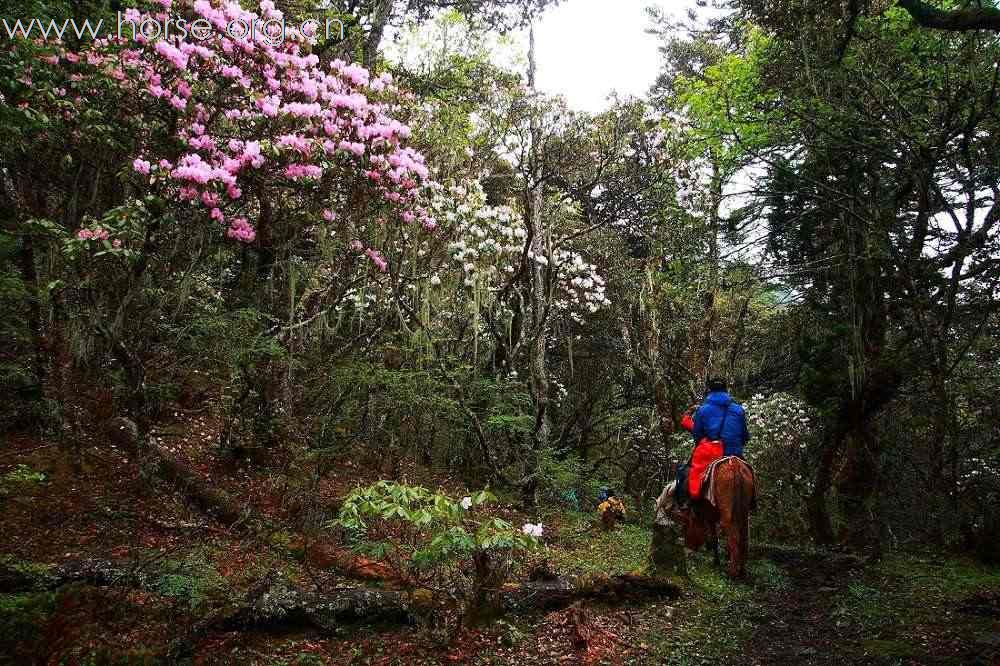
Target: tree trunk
818,514
380,18
667,551
29,275
711,295
534,200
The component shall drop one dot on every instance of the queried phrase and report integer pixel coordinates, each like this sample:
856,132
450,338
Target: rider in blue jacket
708,419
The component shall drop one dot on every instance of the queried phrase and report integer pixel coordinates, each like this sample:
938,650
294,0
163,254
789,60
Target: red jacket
687,421
705,453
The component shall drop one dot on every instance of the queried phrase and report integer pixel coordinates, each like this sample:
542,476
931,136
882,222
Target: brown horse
732,491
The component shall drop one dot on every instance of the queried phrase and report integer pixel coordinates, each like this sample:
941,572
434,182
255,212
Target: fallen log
562,592
281,604
211,501
275,600
18,577
271,601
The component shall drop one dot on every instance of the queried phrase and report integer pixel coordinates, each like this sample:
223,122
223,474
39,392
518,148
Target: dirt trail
838,609
795,624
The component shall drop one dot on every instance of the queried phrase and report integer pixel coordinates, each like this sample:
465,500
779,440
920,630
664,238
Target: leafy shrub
437,542
562,479
783,432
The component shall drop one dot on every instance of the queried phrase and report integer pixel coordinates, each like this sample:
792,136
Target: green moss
25,574
769,575
889,649
22,621
582,547
193,581
108,656
711,601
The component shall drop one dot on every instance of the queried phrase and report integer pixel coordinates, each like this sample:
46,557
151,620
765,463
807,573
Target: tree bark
29,274
539,375
818,514
667,551
380,19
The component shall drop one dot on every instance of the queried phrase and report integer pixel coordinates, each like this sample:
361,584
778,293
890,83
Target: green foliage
564,479
431,539
193,582
723,102
586,549
23,474
441,531
307,659
20,479
22,621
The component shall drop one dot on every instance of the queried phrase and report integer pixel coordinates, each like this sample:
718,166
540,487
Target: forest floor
799,605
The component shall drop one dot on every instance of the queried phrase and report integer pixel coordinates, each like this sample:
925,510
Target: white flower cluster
779,419
979,472
489,241
359,300
532,529
781,429
580,280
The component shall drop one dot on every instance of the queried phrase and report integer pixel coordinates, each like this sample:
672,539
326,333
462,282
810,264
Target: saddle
680,488
709,494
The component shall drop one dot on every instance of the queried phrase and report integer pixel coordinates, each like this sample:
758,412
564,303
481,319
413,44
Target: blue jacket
708,420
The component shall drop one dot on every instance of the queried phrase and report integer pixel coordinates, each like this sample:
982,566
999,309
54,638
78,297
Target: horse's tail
744,490
739,506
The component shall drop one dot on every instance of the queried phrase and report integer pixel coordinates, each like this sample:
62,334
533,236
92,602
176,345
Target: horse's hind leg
744,545
735,543
715,546
737,533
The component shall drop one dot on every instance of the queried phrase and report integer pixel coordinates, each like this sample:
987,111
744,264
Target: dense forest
332,348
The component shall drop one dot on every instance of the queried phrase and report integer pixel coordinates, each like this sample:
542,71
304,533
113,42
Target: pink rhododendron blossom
297,171
99,234
377,259
240,229
252,112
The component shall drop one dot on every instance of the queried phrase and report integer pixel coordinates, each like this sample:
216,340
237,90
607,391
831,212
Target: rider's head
716,384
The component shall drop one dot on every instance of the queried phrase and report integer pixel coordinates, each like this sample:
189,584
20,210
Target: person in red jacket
720,429
687,421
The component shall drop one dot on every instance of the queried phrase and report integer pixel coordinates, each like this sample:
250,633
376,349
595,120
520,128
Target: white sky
588,48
